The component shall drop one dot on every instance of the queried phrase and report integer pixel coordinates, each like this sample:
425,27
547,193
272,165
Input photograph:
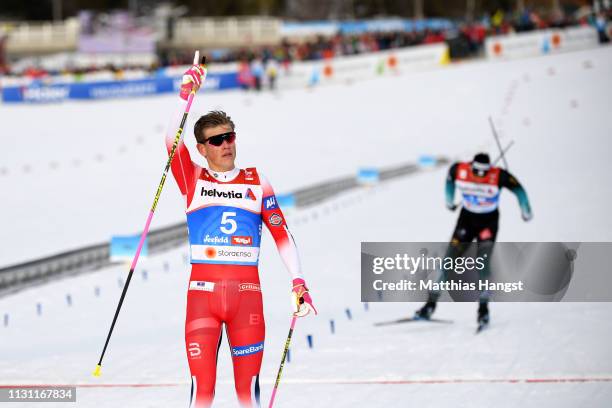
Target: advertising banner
41,93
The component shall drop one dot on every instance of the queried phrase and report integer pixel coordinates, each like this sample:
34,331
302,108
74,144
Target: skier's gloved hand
451,206
300,299
527,216
193,78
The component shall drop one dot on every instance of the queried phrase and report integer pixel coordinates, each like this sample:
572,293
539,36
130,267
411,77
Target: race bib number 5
228,223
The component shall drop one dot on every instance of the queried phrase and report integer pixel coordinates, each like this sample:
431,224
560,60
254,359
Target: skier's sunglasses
218,140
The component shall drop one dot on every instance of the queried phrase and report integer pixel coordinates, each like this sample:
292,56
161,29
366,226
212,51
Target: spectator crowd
465,40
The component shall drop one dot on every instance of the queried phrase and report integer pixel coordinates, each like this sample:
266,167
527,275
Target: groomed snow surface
76,174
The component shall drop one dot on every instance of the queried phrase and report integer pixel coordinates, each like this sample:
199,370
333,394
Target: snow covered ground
534,355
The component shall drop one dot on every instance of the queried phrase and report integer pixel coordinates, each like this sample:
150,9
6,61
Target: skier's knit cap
482,158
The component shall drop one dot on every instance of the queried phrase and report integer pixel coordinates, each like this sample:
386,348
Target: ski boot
483,315
426,311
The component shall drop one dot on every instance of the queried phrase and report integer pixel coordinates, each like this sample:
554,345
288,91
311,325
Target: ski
412,319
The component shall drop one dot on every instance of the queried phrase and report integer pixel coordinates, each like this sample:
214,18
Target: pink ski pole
282,364
143,236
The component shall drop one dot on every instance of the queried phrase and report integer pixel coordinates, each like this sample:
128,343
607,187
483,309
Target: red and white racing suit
224,217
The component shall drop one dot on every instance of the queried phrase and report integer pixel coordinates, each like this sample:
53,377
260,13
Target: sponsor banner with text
541,42
39,92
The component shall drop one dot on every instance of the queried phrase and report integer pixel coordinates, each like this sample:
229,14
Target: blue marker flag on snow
285,201
368,176
545,46
123,248
426,160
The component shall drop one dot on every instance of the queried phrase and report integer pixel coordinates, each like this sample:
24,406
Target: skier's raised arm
184,170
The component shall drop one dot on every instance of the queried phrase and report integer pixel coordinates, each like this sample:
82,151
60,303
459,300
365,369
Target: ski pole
503,153
498,144
282,364
143,236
